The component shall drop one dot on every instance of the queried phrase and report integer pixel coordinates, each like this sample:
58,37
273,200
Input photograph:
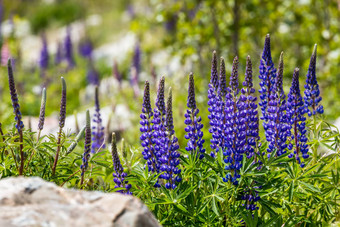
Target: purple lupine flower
97,128
62,114
116,73
295,112
119,174
85,48
136,61
68,47
14,96
214,106
250,197
194,126
159,133
44,57
92,75
170,159
42,110
87,146
222,88
235,136
146,138
59,54
267,77
247,108
277,127
220,114
312,93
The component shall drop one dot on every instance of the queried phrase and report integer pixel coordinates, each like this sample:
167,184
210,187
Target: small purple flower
119,174
59,54
85,48
116,72
312,91
68,47
194,123
44,56
295,112
92,74
97,128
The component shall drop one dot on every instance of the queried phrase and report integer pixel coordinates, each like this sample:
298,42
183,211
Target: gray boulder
35,202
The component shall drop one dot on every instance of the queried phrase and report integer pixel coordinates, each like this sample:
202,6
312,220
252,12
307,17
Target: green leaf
310,187
291,191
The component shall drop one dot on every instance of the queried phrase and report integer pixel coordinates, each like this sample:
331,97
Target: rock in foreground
35,202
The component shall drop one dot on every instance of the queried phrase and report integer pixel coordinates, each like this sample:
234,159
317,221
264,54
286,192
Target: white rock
26,202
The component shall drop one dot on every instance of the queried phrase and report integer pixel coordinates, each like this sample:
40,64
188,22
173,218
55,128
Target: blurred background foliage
188,30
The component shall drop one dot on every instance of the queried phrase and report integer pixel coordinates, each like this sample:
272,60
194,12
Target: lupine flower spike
92,74
16,109
42,112
44,57
119,174
76,141
159,132
146,129
247,108
87,147
69,49
214,106
59,54
312,92
170,159
277,127
194,123
97,128
235,135
62,116
267,84
85,48
295,112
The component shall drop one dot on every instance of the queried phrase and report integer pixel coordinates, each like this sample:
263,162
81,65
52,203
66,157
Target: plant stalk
57,154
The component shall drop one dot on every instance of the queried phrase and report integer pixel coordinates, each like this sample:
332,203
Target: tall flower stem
61,123
87,148
15,102
42,113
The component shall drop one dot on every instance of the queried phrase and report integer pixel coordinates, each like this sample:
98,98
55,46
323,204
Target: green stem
22,158
57,154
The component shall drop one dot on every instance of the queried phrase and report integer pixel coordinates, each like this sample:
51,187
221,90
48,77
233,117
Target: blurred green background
175,37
